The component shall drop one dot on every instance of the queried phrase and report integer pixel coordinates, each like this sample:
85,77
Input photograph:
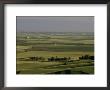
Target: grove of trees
86,57
59,58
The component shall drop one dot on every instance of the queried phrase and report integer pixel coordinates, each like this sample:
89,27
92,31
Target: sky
55,23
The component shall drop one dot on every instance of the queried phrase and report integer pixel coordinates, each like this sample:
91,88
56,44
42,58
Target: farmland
63,49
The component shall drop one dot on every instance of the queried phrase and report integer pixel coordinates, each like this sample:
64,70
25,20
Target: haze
55,24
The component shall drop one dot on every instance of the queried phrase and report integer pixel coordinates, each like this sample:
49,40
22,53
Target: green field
33,50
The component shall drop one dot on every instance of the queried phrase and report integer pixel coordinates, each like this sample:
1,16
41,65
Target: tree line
86,57
34,58
59,58
37,58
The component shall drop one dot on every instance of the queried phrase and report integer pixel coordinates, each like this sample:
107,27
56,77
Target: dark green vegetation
55,53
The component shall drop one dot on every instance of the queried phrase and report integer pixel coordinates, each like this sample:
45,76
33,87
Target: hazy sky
55,24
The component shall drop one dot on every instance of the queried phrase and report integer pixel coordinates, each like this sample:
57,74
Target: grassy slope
49,67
